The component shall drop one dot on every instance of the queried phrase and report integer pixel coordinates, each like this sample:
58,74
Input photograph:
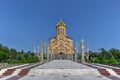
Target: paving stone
63,70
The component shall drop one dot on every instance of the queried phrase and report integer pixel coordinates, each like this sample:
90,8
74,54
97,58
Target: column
76,51
88,54
45,49
48,53
41,50
51,56
82,50
34,51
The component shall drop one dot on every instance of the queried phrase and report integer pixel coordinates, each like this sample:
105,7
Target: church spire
61,27
60,23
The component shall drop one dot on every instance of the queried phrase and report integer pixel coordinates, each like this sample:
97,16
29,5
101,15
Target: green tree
12,53
29,59
91,60
3,56
104,61
96,60
115,52
112,61
23,60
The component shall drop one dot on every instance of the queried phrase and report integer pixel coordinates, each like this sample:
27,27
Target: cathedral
61,46
61,43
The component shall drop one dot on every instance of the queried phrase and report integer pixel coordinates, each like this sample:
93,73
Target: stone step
14,67
63,71
16,72
109,69
2,71
117,71
24,72
104,72
19,73
8,72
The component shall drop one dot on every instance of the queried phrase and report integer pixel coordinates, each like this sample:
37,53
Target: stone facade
61,43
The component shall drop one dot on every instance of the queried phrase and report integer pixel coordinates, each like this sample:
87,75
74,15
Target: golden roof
60,23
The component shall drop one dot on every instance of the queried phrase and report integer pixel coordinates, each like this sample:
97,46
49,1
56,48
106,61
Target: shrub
103,61
14,62
91,60
23,60
96,60
112,60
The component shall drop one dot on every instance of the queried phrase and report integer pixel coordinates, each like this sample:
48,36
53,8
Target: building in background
61,43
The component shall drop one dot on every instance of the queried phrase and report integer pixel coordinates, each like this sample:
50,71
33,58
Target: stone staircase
63,71
24,72
108,71
117,71
16,73
8,72
21,71
104,72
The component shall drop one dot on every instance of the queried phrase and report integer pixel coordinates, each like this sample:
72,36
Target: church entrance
61,55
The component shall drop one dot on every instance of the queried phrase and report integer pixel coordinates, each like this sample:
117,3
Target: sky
24,23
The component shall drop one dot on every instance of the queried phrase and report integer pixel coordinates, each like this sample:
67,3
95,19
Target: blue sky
24,23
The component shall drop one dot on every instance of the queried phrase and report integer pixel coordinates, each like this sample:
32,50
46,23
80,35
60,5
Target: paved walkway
63,70
62,64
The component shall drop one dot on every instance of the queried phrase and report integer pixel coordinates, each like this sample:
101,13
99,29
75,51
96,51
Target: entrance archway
61,55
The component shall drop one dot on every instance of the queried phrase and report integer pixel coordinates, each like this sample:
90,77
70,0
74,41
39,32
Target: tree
26,56
3,56
23,60
91,60
103,52
22,52
12,53
1,46
29,59
114,52
113,60
96,60
93,55
14,56
103,61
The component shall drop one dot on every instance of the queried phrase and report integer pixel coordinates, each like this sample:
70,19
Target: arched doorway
61,55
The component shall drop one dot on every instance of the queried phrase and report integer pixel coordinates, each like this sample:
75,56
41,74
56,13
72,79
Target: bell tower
61,28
